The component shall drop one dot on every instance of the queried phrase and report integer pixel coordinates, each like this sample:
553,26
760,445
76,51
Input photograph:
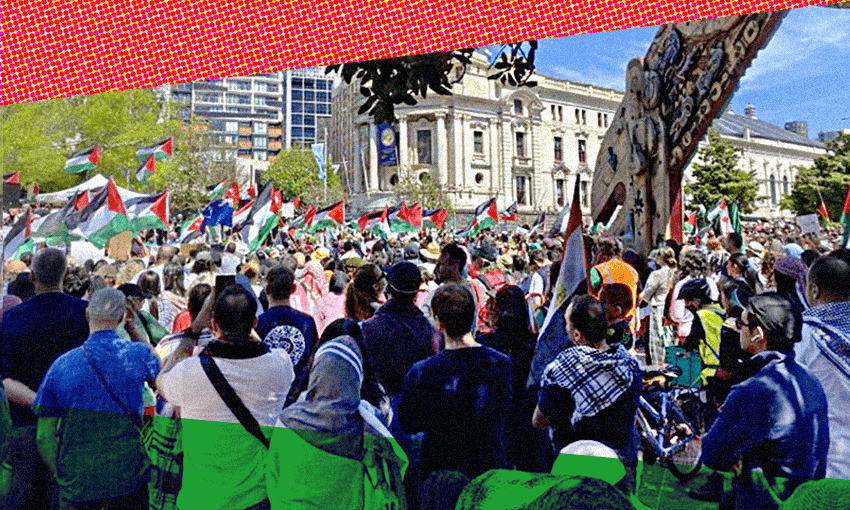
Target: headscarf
795,268
327,415
314,280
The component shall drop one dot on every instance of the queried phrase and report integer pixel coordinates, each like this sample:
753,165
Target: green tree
38,137
829,174
425,191
294,172
718,177
194,168
388,82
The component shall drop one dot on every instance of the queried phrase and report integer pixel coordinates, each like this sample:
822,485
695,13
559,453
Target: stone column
442,150
402,145
374,185
358,167
497,175
458,129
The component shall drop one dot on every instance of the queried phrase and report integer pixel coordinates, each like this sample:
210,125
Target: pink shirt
329,308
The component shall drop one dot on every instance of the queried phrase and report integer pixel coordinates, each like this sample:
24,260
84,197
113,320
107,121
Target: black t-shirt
35,333
461,399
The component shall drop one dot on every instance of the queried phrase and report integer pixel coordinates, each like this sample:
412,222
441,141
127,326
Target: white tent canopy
98,181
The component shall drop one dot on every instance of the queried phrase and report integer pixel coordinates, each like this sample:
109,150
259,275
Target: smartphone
222,281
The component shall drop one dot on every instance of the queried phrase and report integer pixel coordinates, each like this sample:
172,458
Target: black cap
404,278
775,313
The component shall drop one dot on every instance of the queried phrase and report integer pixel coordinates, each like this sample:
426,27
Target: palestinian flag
551,339
191,229
104,217
822,207
538,223
376,222
262,218
560,225
83,161
486,215
735,217
364,220
509,214
13,178
331,216
309,215
18,241
241,214
216,191
53,226
149,212
300,221
146,169
161,151
675,227
408,219
690,225
845,218
81,200
716,211
232,194
382,226
435,218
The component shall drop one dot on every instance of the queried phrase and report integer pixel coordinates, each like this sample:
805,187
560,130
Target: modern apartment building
256,116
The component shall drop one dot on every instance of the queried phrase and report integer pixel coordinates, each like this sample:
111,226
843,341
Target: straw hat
430,252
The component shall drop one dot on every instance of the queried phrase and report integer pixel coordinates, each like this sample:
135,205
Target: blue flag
319,155
219,212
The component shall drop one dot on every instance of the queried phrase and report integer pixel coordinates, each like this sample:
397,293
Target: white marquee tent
98,181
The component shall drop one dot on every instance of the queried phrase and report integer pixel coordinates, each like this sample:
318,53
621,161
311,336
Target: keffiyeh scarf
595,379
830,326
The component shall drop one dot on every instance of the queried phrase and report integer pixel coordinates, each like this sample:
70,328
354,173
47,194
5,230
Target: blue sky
802,74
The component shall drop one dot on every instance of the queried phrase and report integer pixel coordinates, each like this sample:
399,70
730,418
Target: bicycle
671,422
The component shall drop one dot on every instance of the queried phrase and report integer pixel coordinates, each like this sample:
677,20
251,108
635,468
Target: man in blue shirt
773,427
36,332
95,390
283,327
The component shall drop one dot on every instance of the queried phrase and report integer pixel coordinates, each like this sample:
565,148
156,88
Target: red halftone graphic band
60,49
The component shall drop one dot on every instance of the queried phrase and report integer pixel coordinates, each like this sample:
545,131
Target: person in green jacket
329,450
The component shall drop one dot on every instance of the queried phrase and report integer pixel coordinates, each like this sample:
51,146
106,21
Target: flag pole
325,180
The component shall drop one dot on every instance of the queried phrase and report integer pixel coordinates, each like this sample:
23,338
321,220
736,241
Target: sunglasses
739,323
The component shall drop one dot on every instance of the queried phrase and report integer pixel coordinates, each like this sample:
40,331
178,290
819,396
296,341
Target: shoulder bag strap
134,416
228,394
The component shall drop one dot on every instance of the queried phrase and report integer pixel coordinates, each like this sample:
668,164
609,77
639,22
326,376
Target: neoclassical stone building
517,144
524,144
771,153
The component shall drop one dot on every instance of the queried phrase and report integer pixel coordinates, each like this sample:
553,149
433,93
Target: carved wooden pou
672,95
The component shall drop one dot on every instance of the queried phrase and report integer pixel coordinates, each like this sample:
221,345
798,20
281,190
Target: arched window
786,187
773,199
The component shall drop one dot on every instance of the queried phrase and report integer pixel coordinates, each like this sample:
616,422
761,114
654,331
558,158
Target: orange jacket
617,271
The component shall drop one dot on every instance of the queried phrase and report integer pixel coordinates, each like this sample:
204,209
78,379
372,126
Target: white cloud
803,46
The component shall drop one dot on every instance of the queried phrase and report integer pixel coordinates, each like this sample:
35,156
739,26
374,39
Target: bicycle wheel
684,431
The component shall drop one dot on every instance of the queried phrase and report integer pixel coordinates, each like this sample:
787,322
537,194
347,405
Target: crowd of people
354,371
